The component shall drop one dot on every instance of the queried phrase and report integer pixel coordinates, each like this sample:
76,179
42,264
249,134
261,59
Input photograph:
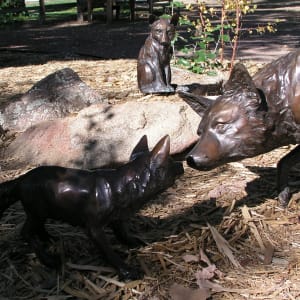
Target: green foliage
211,31
55,10
11,10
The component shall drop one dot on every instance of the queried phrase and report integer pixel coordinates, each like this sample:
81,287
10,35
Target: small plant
11,10
210,29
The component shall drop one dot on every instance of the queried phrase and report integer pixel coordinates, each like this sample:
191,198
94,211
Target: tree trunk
42,15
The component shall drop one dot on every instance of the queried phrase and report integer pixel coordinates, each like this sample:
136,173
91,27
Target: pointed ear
198,103
239,79
160,153
152,19
263,106
240,84
140,148
174,20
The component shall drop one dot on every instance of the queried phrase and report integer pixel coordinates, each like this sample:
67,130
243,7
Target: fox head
150,172
233,126
162,29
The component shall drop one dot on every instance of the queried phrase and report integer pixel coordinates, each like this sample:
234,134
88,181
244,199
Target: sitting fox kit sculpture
253,116
91,199
153,67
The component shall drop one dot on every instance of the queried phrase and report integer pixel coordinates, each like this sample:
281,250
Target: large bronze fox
253,116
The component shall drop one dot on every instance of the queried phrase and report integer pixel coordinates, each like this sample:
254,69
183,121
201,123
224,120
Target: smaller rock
56,96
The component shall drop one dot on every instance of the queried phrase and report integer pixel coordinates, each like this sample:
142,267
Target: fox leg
283,168
35,234
152,79
123,235
168,78
125,272
146,77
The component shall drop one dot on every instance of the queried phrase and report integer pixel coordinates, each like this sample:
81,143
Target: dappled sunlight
231,214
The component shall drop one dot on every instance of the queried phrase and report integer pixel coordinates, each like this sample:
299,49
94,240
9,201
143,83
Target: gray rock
104,134
55,96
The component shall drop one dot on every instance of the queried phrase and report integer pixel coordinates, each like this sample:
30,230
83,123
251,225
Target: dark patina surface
91,199
153,68
251,117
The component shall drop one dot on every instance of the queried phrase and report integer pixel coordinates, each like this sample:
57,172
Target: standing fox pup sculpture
91,199
153,68
253,116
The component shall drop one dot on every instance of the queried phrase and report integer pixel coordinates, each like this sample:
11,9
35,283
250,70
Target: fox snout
161,36
196,162
165,40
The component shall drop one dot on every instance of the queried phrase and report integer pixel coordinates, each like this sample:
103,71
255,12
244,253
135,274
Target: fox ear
140,148
152,19
160,153
240,79
198,103
174,20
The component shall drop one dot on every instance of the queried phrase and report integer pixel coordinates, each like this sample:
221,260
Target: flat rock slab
55,96
104,134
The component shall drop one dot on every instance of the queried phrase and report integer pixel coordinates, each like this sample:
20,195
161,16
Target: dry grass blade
269,253
94,287
111,280
173,224
76,293
223,246
253,228
89,268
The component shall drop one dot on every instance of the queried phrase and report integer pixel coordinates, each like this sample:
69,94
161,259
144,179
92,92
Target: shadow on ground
122,39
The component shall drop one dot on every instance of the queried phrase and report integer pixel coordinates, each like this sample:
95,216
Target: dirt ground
230,213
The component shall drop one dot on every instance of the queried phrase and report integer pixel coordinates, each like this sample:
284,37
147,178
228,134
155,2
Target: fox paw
129,274
284,197
52,261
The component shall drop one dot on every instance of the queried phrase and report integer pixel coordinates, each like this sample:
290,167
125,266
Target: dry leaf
268,254
179,292
203,257
223,246
190,258
206,284
206,273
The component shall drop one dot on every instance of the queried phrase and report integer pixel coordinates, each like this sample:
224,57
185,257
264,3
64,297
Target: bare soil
260,256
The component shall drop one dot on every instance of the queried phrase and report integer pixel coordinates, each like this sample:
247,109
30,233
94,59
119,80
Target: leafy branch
209,30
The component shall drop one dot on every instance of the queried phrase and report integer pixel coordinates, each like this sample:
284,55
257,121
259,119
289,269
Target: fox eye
199,131
221,127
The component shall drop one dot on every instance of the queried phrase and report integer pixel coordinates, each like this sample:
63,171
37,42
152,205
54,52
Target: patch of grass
56,10
32,4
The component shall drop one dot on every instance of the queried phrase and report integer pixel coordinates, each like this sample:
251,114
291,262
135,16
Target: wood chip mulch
213,235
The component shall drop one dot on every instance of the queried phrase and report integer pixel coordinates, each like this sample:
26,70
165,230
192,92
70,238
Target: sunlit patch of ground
256,253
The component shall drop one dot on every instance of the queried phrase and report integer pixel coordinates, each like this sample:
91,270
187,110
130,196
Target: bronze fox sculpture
253,116
91,199
153,67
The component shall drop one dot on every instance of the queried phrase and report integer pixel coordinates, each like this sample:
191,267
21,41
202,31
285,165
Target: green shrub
11,10
208,30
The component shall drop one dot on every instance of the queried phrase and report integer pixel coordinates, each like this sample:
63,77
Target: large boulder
104,134
55,96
